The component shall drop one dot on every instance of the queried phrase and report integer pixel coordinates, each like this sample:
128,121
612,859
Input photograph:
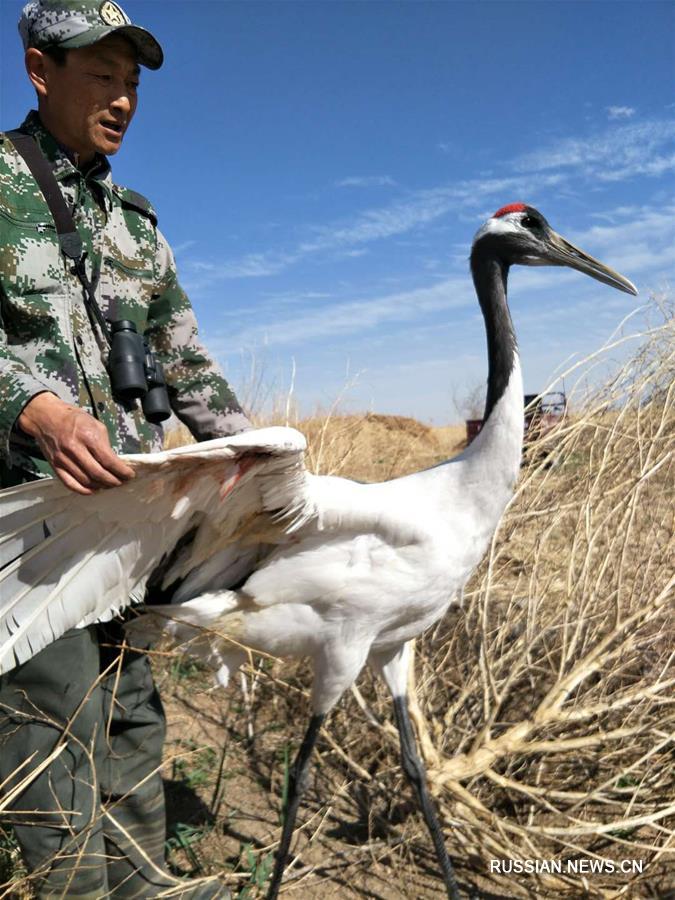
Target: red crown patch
512,207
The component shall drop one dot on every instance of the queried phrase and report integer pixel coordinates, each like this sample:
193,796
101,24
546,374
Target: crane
255,552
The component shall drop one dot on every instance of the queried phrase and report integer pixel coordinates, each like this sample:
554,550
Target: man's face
90,101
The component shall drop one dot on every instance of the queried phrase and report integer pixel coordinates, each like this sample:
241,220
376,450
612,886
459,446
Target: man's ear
36,67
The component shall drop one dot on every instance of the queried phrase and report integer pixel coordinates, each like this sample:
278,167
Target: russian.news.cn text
583,866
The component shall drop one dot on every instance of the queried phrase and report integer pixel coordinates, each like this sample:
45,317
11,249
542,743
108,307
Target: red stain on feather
242,468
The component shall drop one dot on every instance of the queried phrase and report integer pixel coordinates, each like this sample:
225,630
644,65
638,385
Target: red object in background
544,413
473,426
539,419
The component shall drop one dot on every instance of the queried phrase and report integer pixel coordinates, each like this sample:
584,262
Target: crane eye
530,222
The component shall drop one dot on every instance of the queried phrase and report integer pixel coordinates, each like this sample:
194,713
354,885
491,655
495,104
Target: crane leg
297,782
414,770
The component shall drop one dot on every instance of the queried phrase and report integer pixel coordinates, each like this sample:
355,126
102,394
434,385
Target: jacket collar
64,169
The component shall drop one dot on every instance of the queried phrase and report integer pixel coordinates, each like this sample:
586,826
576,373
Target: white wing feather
68,560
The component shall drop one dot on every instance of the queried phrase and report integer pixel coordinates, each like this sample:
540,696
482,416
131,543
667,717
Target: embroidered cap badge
111,14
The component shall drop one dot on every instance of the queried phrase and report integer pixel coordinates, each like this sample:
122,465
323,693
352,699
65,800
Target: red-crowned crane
272,558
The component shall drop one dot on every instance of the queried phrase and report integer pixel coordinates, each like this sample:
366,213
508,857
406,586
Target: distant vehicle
473,426
542,413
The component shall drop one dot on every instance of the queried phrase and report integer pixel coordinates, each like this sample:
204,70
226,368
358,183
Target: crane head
519,234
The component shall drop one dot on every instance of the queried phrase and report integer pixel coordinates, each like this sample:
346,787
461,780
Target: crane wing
69,560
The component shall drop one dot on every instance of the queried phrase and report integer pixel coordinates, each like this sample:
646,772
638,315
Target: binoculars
136,373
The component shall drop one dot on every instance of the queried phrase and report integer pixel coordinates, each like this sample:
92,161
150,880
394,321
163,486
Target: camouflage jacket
47,342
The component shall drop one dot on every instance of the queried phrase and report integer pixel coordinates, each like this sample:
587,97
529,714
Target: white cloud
622,151
620,112
359,315
619,152
416,210
619,213
637,244
628,225
366,181
183,246
354,254
658,165
252,265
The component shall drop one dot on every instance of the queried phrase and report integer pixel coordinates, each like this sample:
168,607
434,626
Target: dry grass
367,447
544,707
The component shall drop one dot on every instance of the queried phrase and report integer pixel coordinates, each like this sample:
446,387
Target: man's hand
75,444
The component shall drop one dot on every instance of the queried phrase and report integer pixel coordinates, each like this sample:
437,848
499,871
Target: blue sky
320,169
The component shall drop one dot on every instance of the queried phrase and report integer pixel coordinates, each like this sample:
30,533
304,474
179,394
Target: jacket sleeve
18,386
199,394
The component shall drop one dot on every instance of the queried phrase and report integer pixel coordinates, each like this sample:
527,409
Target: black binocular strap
70,241
69,238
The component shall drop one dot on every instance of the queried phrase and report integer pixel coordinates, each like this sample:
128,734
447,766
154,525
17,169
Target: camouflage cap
79,23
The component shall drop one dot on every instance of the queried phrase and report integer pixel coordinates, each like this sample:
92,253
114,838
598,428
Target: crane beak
561,253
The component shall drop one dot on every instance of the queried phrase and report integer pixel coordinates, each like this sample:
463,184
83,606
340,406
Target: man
92,825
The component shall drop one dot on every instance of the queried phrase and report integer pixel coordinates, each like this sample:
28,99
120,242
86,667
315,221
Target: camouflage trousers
93,823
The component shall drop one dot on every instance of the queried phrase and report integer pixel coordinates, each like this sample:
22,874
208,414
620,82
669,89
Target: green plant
182,838
259,868
183,668
12,869
195,768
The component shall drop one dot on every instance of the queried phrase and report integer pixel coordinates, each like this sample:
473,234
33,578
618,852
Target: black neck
489,277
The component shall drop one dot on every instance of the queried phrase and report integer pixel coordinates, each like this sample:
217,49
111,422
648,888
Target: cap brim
150,54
